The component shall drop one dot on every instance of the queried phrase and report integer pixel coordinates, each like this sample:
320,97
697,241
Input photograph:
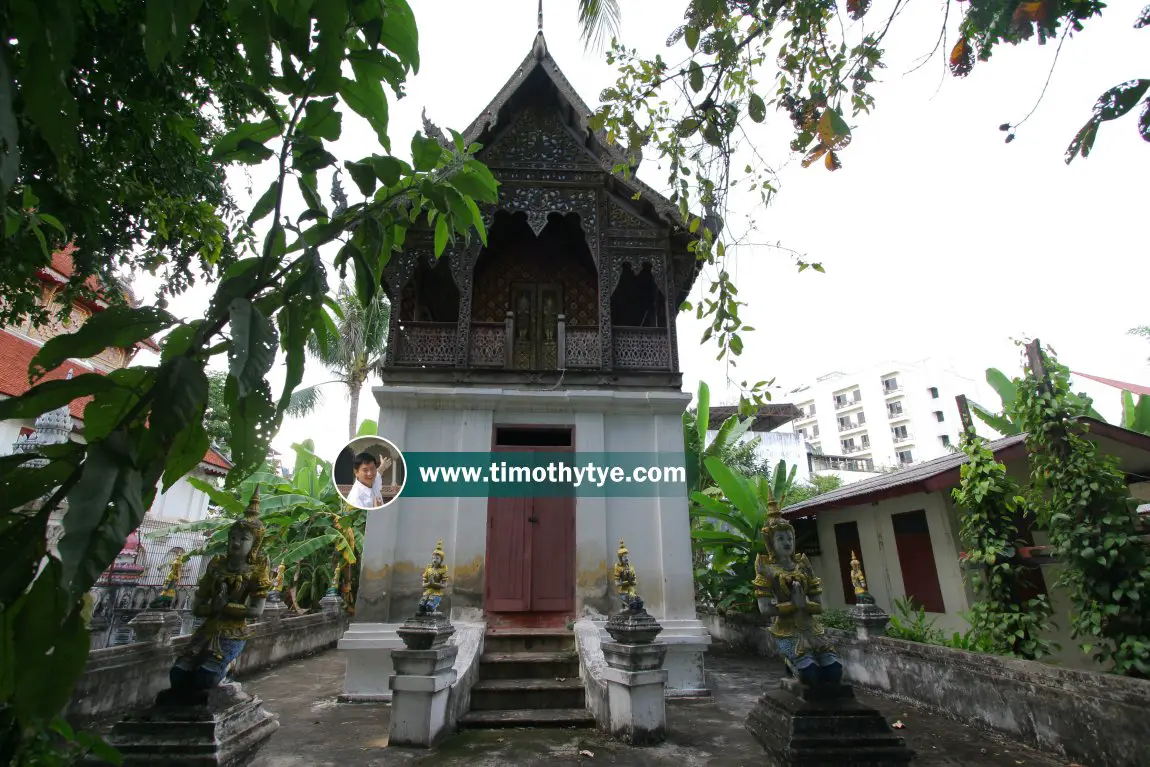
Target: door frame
528,543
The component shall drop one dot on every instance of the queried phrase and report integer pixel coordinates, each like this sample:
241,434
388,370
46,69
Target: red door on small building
530,566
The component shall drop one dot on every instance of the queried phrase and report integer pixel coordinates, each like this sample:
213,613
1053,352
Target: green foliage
910,623
816,485
1007,390
309,527
103,149
148,425
838,618
1082,500
1136,413
1001,622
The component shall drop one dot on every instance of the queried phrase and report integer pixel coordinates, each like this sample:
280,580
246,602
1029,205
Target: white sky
938,238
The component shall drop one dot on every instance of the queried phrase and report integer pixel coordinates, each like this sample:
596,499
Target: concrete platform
317,731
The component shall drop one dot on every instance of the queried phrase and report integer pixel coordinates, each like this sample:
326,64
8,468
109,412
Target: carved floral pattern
426,343
537,138
582,347
642,348
488,344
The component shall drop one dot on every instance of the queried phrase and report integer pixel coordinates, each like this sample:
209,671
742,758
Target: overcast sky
938,238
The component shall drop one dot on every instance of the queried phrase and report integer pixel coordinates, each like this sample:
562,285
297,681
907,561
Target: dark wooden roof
1130,448
768,418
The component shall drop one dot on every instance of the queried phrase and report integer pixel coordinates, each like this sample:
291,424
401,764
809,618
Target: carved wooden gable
538,139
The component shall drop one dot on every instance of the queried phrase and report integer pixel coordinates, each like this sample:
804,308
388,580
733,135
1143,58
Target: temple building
558,335
141,567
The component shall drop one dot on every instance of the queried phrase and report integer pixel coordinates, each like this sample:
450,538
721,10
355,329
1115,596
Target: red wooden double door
530,565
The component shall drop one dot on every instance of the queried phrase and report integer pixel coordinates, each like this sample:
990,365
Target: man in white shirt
363,494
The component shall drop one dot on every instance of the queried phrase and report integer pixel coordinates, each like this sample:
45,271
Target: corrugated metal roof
908,476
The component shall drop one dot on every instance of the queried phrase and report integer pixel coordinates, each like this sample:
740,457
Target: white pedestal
420,688
637,705
687,642
368,648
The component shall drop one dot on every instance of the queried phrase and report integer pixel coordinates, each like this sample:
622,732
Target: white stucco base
399,538
637,704
687,642
368,648
419,710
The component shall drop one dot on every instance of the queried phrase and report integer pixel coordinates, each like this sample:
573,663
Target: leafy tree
749,59
816,485
216,423
104,142
350,348
1141,330
144,426
1082,500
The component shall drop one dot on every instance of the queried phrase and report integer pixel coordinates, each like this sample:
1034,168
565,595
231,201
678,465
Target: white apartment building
888,415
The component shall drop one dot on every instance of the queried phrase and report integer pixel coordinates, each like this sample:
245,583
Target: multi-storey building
893,414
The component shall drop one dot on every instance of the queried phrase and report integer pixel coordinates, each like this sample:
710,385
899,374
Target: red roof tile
16,354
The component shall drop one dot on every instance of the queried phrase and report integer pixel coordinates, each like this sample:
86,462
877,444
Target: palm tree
598,19
350,347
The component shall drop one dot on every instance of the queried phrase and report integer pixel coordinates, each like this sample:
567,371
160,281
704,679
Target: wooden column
509,341
561,340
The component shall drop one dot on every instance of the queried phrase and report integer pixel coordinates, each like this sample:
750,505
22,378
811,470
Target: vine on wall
1082,500
1000,619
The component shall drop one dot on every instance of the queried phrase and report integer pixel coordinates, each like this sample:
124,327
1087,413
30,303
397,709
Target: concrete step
542,717
511,694
529,640
529,665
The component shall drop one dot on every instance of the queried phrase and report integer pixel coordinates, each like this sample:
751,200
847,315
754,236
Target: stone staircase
528,678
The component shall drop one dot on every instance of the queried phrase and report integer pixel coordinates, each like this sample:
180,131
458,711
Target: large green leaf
252,351
719,538
399,33
999,423
50,395
117,327
729,433
104,507
331,23
703,416
734,486
1005,388
309,547
1136,415
226,501
367,428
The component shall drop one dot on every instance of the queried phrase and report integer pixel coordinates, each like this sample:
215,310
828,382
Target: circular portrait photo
369,472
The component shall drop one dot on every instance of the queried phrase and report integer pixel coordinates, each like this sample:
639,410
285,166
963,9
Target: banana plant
1007,391
726,445
1136,413
309,527
728,519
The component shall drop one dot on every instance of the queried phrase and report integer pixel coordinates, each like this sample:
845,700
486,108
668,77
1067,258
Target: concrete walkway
317,731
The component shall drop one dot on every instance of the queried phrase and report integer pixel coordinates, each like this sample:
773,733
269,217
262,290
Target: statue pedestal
811,727
220,727
274,608
422,681
420,687
870,620
635,689
158,626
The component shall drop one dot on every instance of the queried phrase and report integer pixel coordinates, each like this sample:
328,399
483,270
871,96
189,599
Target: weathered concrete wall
1098,719
469,638
119,679
591,665
1094,717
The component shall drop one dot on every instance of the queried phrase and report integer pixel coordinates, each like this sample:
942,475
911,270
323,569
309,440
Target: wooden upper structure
583,272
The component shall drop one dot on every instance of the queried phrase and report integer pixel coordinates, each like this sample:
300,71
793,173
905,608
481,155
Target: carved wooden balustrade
489,345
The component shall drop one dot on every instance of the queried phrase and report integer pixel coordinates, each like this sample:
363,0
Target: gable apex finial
540,15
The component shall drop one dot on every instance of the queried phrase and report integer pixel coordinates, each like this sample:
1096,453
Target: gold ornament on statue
434,580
